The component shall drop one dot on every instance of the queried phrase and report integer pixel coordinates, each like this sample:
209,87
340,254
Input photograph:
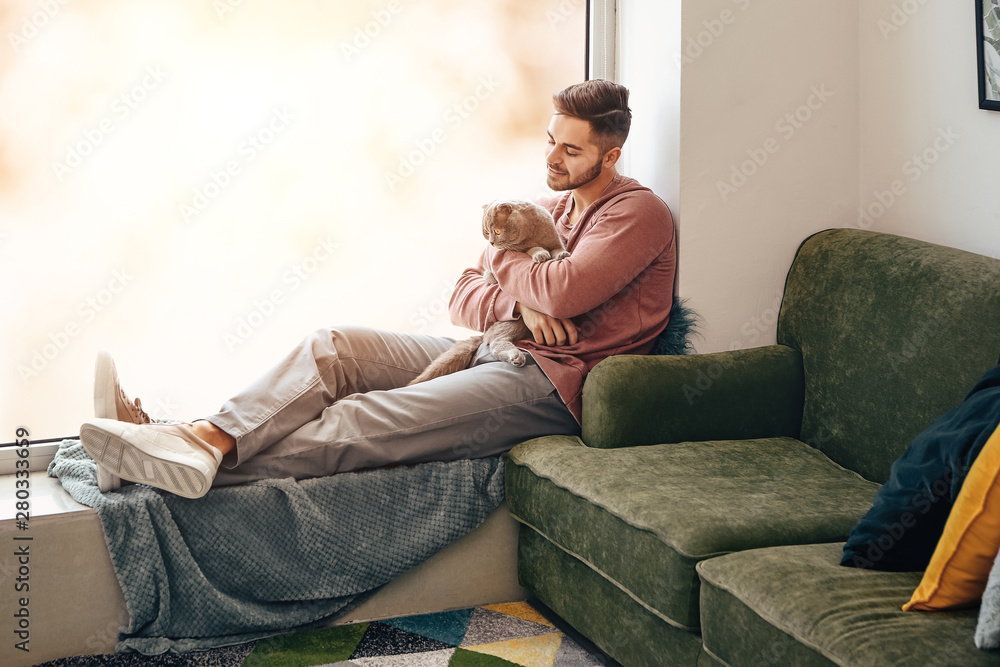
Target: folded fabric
908,515
255,560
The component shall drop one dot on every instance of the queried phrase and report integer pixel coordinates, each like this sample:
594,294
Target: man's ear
611,157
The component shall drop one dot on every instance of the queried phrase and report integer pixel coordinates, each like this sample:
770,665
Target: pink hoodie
617,284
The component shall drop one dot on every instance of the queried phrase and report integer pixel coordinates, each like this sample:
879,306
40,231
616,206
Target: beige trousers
338,402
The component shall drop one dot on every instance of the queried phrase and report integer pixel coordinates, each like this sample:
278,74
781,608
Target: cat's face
508,225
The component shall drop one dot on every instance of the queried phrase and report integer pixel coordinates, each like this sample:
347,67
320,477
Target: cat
516,225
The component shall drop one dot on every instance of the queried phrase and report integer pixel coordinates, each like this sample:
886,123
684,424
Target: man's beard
578,183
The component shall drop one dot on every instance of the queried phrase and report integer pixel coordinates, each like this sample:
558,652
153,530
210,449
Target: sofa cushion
798,605
644,516
988,627
893,331
601,611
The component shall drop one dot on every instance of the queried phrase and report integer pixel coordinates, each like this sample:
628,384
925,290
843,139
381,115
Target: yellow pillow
956,576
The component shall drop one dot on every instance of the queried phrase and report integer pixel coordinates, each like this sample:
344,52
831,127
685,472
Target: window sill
46,497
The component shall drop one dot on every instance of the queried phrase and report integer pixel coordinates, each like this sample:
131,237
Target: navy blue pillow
909,513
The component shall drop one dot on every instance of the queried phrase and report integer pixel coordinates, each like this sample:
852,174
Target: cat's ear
504,208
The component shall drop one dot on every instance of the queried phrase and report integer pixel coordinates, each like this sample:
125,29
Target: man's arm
475,304
624,240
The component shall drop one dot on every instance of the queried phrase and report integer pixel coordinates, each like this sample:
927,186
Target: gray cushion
988,625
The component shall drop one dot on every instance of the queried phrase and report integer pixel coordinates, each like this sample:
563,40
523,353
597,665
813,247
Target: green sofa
700,518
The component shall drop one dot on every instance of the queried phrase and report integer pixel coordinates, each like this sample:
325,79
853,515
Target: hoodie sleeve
475,304
622,240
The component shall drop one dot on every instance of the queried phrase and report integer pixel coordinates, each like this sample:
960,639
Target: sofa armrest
641,400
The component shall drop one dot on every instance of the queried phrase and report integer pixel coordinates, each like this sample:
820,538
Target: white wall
752,182
652,154
919,99
901,86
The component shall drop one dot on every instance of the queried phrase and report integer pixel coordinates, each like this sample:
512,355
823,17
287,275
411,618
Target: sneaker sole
145,463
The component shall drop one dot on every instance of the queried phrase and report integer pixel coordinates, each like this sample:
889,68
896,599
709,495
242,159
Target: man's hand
547,330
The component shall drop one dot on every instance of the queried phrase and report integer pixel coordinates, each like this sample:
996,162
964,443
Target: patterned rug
502,635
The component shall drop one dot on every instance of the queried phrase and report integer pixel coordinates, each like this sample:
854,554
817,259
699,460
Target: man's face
572,160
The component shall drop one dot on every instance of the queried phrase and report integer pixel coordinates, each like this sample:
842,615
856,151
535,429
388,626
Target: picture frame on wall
988,51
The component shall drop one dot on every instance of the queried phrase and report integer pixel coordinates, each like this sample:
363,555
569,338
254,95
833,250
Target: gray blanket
249,561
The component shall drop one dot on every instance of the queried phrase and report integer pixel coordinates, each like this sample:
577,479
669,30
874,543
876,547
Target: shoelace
136,405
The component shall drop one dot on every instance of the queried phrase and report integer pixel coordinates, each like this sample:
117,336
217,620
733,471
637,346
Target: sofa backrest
893,333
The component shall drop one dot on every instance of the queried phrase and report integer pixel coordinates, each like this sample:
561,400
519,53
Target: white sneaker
111,402
167,456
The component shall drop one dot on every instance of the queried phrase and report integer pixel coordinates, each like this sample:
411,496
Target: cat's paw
540,255
489,277
562,254
515,356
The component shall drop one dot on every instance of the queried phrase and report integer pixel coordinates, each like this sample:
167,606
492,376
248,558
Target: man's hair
601,103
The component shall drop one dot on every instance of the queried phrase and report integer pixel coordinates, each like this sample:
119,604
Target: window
195,186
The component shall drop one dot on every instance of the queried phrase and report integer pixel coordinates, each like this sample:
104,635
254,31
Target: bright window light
195,185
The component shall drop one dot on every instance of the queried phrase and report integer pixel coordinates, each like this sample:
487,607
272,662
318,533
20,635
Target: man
340,402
